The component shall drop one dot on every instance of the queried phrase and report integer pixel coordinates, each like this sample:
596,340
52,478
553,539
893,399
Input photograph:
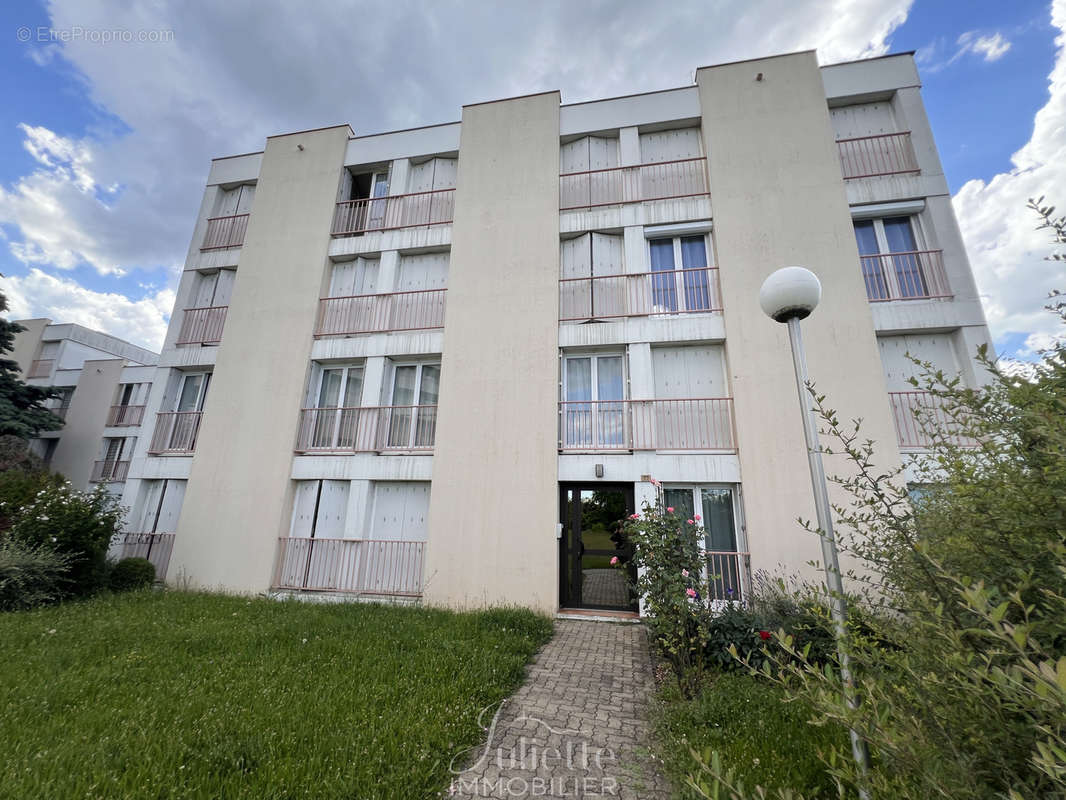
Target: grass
766,741
168,695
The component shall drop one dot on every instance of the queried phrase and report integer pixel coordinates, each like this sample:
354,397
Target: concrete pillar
239,496
493,508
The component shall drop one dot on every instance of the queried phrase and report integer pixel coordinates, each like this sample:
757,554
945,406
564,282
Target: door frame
566,598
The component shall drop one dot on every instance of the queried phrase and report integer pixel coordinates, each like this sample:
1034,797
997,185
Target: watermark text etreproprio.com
42,34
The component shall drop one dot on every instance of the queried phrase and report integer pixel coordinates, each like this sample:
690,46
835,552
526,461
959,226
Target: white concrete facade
400,365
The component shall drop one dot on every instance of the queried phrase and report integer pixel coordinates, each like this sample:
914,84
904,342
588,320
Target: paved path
578,726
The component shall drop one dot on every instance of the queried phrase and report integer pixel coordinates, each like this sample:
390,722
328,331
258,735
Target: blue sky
105,145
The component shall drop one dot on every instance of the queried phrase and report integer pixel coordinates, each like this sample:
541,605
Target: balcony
41,368
666,180
353,217
642,294
884,154
156,547
371,429
377,313
109,471
175,433
202,325
705,425
125,416
918,416
913,275
357,566
225,232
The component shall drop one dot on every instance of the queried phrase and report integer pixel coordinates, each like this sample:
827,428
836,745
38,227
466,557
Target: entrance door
592,516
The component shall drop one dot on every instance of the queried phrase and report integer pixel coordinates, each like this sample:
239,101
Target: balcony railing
371,429
919,416
175,432
202,325
109,471
913,275
125,416
41,368
360,566
666,180
884,154
397,211
704,424
156,547
641,294
225,232
729,575
375,313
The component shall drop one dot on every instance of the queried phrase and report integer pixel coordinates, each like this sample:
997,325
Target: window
336,416
891,242
193,391
413,398
680,288
726,565
594,407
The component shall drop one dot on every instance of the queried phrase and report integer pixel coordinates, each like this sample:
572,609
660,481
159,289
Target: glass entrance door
593,516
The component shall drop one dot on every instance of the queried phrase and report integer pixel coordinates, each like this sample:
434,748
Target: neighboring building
102,383
443,362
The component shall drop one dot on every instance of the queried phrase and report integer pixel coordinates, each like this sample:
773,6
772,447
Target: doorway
592,517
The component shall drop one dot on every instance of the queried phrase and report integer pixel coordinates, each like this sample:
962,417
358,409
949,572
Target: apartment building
102,383
442,363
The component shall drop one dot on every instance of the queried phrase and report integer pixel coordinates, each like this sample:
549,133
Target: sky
113,111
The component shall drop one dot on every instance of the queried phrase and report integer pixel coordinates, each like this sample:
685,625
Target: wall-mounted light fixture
599,470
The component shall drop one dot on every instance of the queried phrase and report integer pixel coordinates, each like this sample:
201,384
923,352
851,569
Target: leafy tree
21,411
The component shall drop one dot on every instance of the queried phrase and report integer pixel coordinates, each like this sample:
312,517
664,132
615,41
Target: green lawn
161,695
766,741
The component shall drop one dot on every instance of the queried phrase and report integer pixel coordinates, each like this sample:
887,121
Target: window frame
739,531
888,280
595,437
685,292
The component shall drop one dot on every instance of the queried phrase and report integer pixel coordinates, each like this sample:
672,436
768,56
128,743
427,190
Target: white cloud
38,294
991,48
231,75
1006,251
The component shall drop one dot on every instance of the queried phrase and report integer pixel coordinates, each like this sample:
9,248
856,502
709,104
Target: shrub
131,573
30,575
19,488
77,524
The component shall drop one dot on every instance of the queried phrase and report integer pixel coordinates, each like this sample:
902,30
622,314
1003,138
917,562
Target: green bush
753,729
131,573
77,524
19,488
30,575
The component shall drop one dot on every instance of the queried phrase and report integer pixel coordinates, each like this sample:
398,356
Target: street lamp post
788,296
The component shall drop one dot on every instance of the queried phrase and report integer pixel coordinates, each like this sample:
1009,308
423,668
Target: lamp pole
790,295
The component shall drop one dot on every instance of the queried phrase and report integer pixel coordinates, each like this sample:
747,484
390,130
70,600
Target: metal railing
156,547
360,566
395,211
704,424
728,575
665,180
202,325
375,313
109,471
41,368
919,415
125,416
175,432
370,429
912,275
641,294
225,232
883,154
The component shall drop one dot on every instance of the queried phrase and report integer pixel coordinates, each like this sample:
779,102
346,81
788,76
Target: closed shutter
204,289
170,510
688,372
862,119
575,261
401,509
934,347
355,277
670,145
424,271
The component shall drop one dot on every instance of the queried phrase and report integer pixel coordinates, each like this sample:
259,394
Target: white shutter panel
303,508
332,510
420,177
204,289
149,505
173,497
224,287
226,204
245,196
575,261
424,271
608,294
444,173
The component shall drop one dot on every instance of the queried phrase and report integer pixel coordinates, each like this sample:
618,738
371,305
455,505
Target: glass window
594,412
663,288
726,563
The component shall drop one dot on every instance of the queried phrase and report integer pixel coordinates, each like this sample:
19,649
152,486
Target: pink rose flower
690,592
614,560
690,522
634,516
697,518
669,509
684,573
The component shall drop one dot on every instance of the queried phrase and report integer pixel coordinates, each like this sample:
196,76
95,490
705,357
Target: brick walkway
577,727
